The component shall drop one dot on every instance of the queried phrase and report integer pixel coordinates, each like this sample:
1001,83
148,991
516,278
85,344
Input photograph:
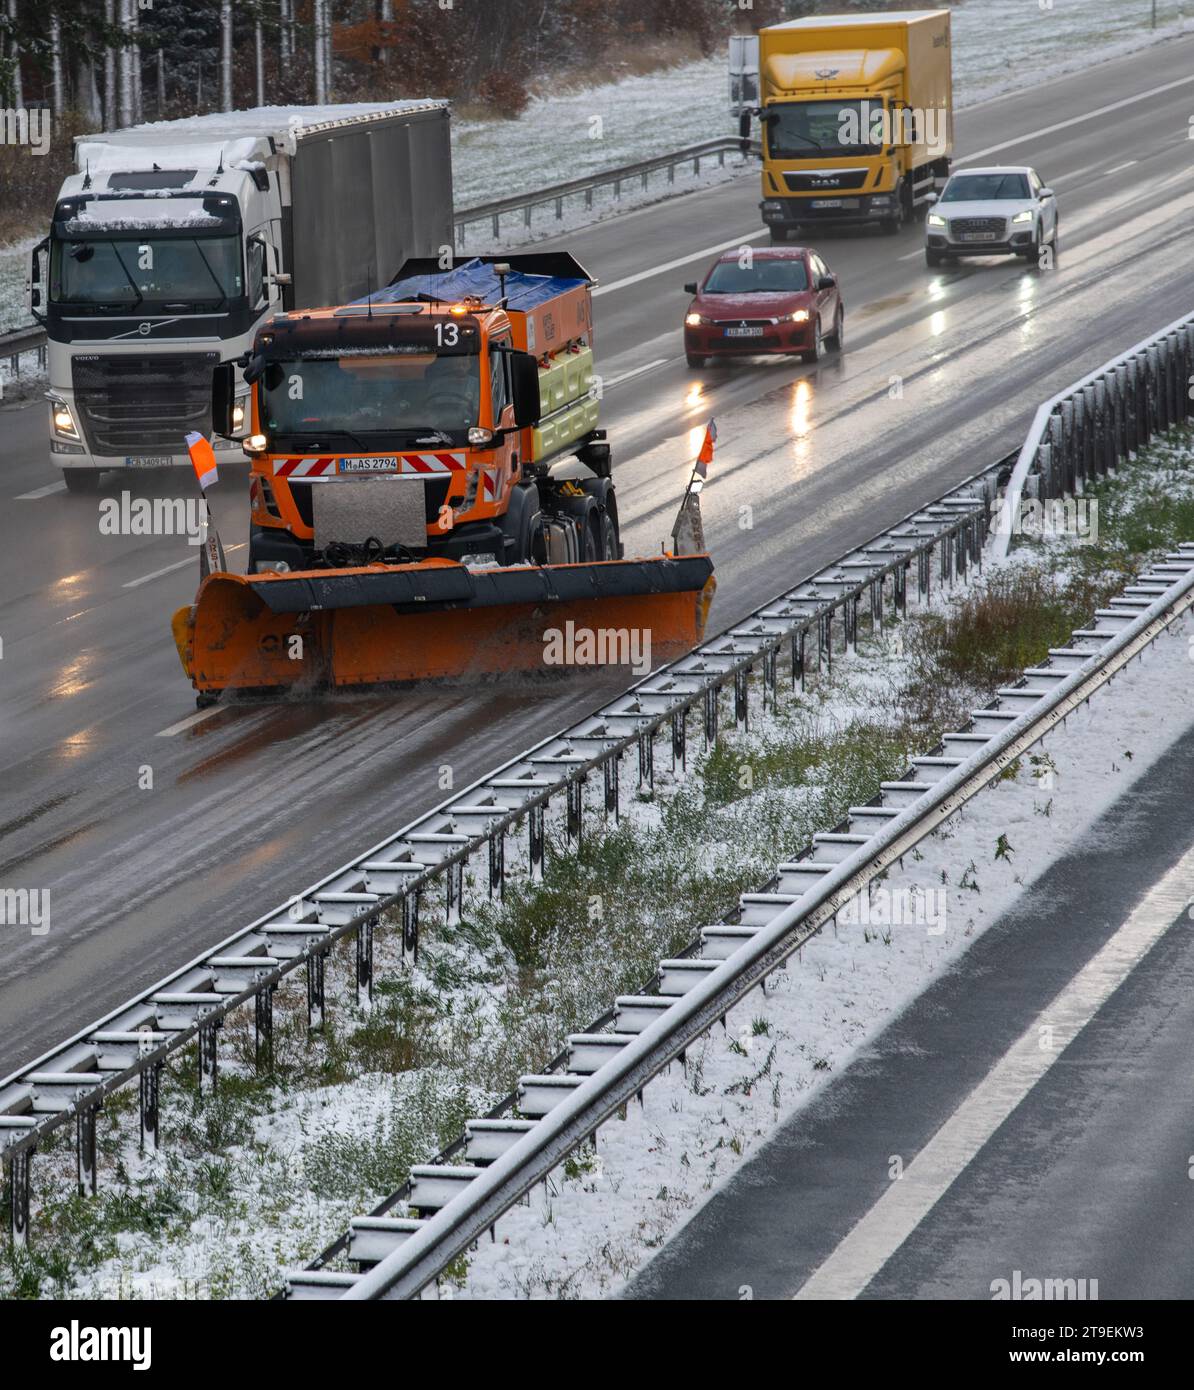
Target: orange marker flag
203,459
705,457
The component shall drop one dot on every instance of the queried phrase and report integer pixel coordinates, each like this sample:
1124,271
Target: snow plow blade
388,624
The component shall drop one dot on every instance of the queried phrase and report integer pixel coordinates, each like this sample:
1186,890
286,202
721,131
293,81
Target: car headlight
800,316
936,220
1025,216
62,419
693,319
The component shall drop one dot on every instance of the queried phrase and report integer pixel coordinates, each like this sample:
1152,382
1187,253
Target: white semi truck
173,241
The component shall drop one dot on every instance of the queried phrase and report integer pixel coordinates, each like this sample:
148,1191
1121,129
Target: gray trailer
175,240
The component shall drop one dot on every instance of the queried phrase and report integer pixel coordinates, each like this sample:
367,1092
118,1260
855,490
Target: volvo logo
144,328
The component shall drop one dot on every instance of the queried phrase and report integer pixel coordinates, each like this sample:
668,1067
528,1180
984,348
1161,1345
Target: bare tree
386,16
55,39
16,86
109,68
126,62
319,50
225,55
135,59
259,55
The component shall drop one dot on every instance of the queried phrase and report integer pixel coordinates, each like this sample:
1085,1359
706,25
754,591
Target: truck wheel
814,353
86,480
780,235
609,538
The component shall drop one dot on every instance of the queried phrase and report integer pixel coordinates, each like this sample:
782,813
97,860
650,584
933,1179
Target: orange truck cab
450,415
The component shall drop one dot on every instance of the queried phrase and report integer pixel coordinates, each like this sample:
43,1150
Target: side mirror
931,198
1045,193
744,125
223,389
826,282
691,287
524,382
33,294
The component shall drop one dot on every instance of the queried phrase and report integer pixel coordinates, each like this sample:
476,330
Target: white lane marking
638,371
906,1203
680,260
41,492
1119,168
1077,120
169,569
189,722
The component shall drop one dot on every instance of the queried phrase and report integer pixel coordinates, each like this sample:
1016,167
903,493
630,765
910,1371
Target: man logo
826,74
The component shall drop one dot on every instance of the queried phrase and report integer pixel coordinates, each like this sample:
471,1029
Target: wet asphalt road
941,375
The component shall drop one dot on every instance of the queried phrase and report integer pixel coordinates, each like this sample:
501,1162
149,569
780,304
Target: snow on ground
596,1222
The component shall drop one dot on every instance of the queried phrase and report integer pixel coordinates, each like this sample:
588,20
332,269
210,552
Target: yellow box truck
857,117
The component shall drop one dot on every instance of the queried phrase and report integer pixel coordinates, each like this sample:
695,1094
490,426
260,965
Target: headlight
478,435
62,420
773,207
1025,216
238,415
800,316
935,220
256,444
693,319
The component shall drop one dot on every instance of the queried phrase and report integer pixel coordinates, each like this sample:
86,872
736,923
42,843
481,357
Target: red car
783,299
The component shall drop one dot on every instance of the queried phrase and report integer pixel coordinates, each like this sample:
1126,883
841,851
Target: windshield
983,188
809,129
151,273
763,276
381,393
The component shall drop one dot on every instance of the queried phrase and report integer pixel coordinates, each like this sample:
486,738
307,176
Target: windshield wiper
214,279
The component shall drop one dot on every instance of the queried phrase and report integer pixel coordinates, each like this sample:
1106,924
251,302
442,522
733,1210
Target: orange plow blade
384,624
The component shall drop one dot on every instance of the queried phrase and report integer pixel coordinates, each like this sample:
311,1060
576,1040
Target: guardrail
1082,431
555,194
609,1069
13,345
132,1042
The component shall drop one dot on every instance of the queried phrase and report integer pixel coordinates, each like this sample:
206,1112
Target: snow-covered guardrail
1086,428
401,1256
556,194
31,338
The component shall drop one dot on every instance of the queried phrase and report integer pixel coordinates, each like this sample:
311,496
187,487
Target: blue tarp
477,279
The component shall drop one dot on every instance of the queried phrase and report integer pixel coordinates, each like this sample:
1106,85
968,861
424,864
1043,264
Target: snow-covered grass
268,1171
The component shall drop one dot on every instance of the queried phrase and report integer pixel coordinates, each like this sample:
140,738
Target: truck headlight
1025,216
479,436
62,420
238,415
256,444
935,220
772,207
692,320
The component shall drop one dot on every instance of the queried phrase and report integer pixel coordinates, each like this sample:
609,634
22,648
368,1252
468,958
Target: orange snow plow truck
430,494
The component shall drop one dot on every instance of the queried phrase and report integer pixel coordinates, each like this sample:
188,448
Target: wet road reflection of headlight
937,323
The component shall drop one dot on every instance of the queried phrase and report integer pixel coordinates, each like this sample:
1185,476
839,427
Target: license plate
828,203
979,236
148,460
369,465
744,332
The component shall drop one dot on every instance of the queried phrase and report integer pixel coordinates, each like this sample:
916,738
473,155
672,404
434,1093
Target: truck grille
825,182
435,494
143,405
967,226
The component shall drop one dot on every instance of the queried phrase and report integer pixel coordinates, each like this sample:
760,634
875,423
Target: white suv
991,212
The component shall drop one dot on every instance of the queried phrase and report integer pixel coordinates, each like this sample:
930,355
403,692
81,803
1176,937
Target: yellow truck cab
857,118
448,416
